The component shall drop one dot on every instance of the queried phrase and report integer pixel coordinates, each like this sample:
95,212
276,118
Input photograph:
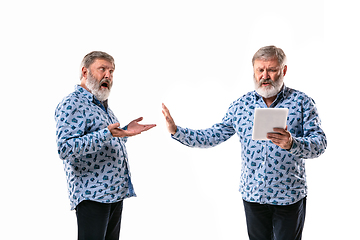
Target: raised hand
134,128
169,120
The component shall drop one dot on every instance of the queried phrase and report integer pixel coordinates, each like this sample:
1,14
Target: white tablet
265,119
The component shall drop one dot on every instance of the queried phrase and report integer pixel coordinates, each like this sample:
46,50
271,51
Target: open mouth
265,83
105,85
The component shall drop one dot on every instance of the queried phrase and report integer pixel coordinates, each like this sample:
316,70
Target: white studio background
195,56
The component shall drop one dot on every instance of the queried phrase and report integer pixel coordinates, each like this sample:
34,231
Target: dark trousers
99,221
271,222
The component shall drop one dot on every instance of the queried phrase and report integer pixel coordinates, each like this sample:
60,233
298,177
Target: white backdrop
195,56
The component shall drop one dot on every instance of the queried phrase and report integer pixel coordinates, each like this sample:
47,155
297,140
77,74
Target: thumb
138,119
113,126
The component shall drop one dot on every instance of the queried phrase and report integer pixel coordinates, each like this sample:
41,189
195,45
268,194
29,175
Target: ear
84,72
285,70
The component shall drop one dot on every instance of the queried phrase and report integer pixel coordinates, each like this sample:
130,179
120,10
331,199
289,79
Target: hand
134,128
169,120
281,138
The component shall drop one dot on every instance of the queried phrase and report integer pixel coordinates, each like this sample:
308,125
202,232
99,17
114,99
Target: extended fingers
165,111
148,126
167,114
169,120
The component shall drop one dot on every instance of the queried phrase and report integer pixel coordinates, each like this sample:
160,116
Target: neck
269,101
83,84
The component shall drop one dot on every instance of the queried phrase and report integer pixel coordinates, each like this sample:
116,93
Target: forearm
75,147
312,142
309,147
205,138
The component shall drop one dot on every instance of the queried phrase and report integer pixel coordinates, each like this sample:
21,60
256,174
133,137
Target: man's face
99,78
268,77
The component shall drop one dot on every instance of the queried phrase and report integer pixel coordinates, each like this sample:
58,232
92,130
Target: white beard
271,90
95,87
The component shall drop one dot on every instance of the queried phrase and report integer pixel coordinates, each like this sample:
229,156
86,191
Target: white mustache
105,81
266,81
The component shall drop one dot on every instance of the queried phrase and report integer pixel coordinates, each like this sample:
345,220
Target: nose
108,74
265,74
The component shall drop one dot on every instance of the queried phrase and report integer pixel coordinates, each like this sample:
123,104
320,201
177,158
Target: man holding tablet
273,180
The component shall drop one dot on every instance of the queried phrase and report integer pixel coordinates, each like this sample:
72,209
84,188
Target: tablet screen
265,119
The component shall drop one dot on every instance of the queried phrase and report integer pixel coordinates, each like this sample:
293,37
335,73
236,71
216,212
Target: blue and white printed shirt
270,175
95,162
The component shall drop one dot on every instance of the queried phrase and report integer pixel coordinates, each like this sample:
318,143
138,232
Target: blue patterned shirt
270,175
95,163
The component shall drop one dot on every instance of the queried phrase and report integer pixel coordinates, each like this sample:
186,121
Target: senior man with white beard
273,180
92,147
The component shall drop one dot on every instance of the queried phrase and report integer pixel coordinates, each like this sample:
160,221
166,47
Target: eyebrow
270,68
104,66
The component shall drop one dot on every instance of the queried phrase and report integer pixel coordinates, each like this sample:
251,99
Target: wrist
174,131
290,144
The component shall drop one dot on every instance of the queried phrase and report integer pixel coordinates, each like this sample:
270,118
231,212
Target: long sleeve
206,138
313,141
73,140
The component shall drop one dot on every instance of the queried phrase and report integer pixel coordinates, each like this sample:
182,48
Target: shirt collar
85,93
88,95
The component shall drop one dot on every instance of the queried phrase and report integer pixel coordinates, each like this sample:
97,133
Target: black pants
99,221
271,222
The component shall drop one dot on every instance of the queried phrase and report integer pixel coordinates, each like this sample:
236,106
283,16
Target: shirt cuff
178,134
295,148
106,135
